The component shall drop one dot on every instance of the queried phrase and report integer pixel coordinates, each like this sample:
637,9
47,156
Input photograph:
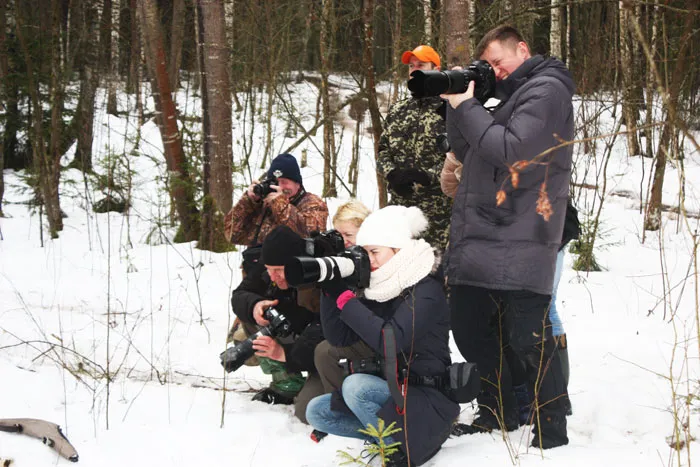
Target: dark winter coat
300,307
421,321
511,247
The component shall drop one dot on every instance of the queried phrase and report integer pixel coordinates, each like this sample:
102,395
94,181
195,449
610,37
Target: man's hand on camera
276,193
401,180
266,346
260,308
456,99
251,193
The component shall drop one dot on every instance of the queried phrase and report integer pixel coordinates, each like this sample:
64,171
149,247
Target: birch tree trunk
181,187
457,20
428,23
371,90
218,153
555,30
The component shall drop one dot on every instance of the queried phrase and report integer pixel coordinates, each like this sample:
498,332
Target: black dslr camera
326,243
234,357
325,256
434,82
264,188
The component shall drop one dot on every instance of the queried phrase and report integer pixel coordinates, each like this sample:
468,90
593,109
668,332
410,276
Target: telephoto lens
351,264
432,83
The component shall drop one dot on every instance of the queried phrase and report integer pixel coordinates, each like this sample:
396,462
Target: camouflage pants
283,382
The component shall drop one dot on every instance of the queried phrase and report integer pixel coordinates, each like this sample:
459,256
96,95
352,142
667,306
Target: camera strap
391,369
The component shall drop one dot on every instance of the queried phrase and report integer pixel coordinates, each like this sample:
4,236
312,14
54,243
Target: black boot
485,422
269,396
551,432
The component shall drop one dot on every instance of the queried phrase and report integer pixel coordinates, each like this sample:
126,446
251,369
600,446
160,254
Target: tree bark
89,80
218,139
3,77
181,187
371,90
428,22
107,60
457,19
630,108
653,215
397,76
44,166
325,44
555,30
177,34
56,93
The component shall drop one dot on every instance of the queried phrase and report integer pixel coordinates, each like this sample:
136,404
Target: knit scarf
406,268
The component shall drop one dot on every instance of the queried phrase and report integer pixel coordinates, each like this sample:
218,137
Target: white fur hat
392,226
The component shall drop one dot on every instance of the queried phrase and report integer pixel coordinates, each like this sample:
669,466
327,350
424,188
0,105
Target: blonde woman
348,219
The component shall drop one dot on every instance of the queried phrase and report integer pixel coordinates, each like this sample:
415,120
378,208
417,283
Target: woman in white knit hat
403,293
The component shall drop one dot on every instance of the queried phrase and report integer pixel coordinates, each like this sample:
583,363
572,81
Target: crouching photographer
282,321
403,317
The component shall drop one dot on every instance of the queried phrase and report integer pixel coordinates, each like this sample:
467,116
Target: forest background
64,63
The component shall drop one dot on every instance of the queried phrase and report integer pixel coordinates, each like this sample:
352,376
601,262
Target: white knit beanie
392,226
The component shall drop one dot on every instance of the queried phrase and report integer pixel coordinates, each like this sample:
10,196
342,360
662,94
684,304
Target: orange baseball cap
424,53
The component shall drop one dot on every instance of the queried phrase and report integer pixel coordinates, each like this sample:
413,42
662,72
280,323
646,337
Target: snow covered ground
169,314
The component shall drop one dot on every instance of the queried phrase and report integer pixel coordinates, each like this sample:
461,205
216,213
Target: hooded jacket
511,247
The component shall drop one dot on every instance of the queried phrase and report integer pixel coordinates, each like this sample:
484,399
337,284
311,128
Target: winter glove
401,180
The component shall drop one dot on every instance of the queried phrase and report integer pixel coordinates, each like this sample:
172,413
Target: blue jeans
557,326
364,394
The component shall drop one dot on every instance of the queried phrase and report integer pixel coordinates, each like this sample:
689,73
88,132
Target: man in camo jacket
252,218
409,156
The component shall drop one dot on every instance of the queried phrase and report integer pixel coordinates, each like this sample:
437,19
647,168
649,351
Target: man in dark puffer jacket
501,259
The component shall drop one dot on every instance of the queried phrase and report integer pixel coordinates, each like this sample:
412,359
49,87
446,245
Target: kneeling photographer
404,318
288,320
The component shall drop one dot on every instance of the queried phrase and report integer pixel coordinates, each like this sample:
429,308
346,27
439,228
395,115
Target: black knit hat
281,245
286,166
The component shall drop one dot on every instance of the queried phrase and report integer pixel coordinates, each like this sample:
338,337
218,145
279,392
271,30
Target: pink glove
344,298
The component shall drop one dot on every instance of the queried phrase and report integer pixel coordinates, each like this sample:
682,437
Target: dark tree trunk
3,77
181,187
89,80
653,215
371,90
44,166
325,48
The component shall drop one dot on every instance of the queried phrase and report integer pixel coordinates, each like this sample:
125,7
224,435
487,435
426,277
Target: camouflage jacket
409,139
303,213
